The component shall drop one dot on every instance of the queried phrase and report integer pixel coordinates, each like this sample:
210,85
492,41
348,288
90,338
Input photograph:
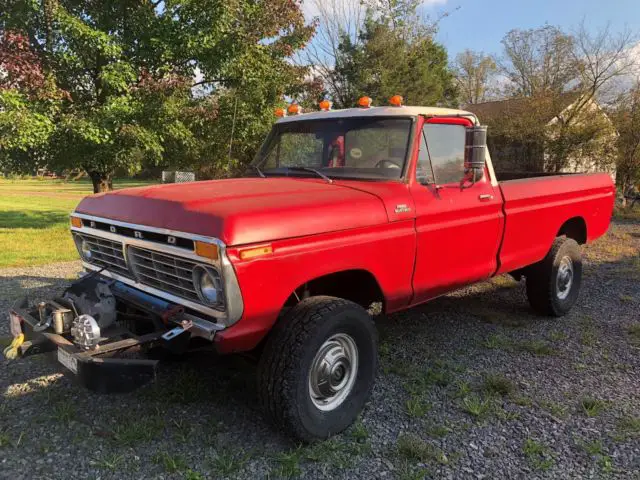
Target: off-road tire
284,366
541,278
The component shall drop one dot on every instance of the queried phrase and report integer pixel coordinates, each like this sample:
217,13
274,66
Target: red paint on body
444,238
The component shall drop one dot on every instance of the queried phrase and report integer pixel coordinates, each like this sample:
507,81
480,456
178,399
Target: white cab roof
378,112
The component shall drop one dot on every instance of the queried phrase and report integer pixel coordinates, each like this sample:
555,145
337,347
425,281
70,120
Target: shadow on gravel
32,286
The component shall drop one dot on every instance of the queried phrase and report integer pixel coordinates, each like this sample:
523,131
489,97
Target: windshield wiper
313,170
257,169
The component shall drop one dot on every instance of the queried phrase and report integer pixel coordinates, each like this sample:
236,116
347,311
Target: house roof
488,111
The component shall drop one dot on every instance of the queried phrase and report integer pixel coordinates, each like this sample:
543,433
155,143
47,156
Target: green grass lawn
34,219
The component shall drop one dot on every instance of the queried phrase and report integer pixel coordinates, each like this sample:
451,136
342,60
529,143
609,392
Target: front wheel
553,284
318,366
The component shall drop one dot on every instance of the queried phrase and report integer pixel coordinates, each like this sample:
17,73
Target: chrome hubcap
333,372
564,279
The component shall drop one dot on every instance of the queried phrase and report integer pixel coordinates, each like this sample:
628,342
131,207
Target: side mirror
475,152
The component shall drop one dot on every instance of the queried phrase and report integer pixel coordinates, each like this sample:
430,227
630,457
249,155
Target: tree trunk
102,182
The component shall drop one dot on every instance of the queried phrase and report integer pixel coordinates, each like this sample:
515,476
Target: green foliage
394,54
626,118
413,448
476,405
592,406
497,384
537,454
417,407
119,86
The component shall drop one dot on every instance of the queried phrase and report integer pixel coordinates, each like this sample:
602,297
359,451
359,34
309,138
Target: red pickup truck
340,210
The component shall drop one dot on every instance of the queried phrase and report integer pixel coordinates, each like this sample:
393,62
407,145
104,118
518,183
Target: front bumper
96,369
102,369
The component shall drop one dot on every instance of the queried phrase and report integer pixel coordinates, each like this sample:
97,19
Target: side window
424,174
446,149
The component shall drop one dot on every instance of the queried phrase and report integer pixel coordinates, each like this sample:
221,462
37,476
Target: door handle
485,196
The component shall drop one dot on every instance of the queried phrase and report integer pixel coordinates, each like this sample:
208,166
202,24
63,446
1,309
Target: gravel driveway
472,385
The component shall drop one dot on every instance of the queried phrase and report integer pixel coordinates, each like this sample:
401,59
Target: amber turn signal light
76,222
256,252
364,102
208,250
325,105
279,112
294,109
396,101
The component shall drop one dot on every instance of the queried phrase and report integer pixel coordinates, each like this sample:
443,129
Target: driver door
458,229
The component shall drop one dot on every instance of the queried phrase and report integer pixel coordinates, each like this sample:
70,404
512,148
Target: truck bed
537,209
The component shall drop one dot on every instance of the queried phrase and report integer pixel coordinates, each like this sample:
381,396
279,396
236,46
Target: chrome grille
165,272
106,254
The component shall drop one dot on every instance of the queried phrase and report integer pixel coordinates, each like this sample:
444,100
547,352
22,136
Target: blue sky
481,24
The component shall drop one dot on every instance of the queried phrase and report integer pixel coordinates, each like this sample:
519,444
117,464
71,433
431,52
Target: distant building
515,148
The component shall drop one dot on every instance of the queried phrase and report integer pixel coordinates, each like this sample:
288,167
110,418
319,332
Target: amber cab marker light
256,252
76,222
280,112
294,109
325,105
364,102
208,250
396,101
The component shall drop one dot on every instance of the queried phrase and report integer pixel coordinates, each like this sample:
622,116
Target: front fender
386,251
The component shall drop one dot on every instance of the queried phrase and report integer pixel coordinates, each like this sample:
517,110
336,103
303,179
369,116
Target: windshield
371,148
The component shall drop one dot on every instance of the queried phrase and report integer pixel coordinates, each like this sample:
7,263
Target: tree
626,117
375,47
547,66
145,83
474,72
538,61
394,54
600,59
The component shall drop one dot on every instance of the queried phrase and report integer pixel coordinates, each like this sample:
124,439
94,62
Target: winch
84,310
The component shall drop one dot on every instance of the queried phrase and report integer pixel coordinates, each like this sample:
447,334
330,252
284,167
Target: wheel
553,284
318,367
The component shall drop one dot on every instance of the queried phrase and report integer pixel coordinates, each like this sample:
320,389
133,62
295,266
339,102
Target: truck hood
242,211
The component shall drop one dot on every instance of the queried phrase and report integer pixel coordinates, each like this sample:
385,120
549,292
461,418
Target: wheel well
359,286
575,228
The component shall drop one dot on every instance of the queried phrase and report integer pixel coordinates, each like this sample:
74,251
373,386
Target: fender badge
402,208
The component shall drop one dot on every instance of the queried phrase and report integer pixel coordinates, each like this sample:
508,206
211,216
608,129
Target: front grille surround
167,272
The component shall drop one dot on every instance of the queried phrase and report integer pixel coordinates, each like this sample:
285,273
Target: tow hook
177,339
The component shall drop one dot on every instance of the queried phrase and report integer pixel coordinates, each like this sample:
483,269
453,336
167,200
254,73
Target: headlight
83,247
208,285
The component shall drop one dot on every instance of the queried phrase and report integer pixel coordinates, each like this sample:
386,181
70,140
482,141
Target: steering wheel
387,164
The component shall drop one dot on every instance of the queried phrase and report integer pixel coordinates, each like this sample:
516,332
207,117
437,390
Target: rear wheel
553,284
318,366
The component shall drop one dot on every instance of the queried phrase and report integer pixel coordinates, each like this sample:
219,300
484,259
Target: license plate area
68,360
